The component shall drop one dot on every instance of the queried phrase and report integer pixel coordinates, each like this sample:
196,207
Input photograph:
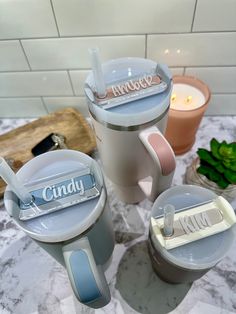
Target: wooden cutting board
16,145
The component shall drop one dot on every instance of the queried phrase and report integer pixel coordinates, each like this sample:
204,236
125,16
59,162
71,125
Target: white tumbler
135,155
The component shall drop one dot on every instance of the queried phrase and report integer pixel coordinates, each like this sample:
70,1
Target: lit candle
189,100
186,97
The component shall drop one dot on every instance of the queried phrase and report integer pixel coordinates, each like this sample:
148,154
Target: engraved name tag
188,224
131,88
60,192
135,85
145,86
195,223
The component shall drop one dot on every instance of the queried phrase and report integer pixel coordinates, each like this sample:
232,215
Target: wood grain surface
16,145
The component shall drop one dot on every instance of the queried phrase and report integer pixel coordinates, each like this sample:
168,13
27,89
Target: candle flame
173,97
189,99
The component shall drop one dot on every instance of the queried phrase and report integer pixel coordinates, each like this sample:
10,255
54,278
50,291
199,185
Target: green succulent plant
218,164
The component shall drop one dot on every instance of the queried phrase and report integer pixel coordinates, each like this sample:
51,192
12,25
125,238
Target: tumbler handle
164,163
87,279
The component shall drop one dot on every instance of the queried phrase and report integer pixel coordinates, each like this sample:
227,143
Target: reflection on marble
32,282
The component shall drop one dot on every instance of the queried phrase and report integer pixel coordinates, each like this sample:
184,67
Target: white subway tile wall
223,104
44,47
111,17
220,79
56,103
26,19
72,53
77,79
215,15
35,84
21,107
12,57
201,49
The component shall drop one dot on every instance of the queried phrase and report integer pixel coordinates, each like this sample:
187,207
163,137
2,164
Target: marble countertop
32,282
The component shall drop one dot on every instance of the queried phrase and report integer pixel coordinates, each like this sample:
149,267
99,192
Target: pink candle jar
189,101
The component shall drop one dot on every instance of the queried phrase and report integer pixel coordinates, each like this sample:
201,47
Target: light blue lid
138,111
66,223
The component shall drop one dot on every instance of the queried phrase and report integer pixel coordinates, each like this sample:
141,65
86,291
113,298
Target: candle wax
181,93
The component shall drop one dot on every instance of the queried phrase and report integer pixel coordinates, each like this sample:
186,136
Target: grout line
21,117
79,69
171,33
88,69
211,32
145,48
202,66
36,96
44,105
55,19
220,114
184,71
194,12
83,96
118,35
207,114
27,60
225,93
45,70
210,66
72,96
81,36
21,97
72,87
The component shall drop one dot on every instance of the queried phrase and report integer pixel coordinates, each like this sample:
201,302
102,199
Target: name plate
195,223
59,192
135,87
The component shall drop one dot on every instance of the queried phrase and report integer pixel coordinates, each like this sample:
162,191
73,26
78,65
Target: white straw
97,73
169,213
15,185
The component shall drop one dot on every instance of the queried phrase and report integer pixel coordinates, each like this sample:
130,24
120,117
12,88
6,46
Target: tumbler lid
79,211
200,254
138,91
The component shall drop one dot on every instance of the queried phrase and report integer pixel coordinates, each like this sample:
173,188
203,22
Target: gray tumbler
80,237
